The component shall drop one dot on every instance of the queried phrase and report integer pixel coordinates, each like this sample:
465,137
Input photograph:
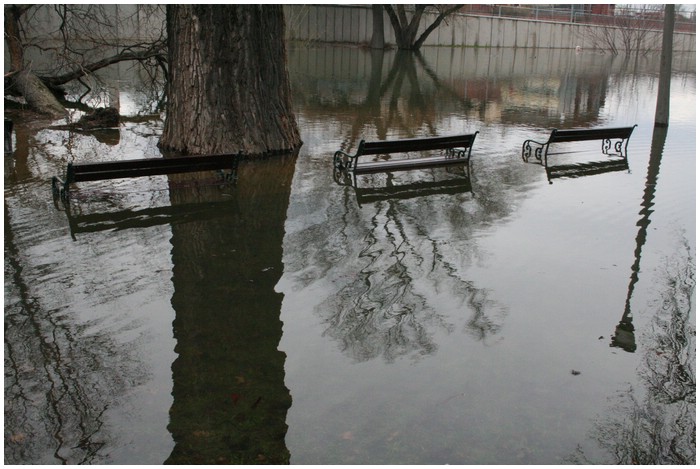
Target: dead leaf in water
347,436
18,438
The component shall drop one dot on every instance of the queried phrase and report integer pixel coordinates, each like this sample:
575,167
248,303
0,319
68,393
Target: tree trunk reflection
230,400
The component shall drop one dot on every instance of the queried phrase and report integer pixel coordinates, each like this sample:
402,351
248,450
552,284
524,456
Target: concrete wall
353,24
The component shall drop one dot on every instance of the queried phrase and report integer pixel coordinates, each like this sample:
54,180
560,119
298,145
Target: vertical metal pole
664,95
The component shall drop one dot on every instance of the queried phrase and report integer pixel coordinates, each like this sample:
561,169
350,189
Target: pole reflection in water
230,400
655,423
624,332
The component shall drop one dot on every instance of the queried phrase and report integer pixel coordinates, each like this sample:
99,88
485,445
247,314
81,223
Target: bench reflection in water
143,218
421,183
130,204
591,168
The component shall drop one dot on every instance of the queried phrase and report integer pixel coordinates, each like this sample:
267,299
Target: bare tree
636,29
52,45
22,80
406,30
629,30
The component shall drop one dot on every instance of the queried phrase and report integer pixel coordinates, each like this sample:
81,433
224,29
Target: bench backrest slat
575,135
118,173
223,161
418,144
80,172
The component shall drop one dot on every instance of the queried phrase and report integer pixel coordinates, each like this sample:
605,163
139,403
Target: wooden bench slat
575,135
414,163
410,145
119,173
222,160
81,172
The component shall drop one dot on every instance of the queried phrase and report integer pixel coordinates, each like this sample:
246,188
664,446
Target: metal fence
648,18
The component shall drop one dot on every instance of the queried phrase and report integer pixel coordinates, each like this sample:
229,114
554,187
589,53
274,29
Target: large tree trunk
14,45
405,31
229,88
37,95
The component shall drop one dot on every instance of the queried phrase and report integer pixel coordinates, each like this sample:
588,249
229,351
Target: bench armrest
60,187
616,146
345,161
533,148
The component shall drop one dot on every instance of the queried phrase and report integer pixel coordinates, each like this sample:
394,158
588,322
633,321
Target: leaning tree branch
54,81
393,18
443,14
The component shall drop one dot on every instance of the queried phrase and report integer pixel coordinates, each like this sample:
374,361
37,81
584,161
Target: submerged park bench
457,150
79,172
614,141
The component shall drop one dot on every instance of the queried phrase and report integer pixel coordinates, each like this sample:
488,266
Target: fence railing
604,15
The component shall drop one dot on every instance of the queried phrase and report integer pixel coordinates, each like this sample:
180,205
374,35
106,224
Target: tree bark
37,95
14,44
229,88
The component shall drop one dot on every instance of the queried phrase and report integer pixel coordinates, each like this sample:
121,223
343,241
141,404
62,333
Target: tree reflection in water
407,257
656,424
404,274
229,398
63,375
60,377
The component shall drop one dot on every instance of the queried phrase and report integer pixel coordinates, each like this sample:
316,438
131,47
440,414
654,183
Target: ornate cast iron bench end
346,162
532,148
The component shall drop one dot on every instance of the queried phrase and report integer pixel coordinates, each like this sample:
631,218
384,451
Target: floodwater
499,315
